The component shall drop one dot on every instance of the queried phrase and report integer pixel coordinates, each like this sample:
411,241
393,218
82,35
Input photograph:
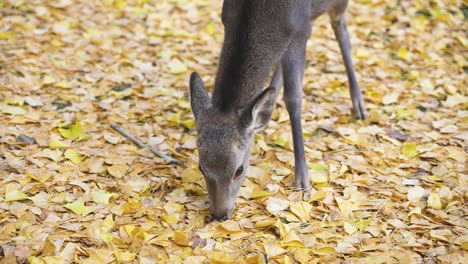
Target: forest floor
390,189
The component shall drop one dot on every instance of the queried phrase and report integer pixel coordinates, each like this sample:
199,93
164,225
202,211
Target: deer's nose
219,218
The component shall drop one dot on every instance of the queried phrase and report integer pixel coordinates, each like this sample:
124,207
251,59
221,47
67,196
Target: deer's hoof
359,109
303,184
361,113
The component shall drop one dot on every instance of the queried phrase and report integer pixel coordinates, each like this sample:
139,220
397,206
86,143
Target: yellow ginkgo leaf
349,228
177,67
74,156
433,201
210,28
272,250
118,170
319,173
409,150
13,194
79,208
258,192
104,229
101,196
362,53
56,43
32,260
189,123
53,259
131,206
14,100
120,4
403,54
55,144
180,238
221,257
415,193
6,35
175,118
13,110
324,251
317,196
253,259
48,80
124,255
74,133
46,260
292,240
282,140
230,226
41,179
301,210
264,223
63,84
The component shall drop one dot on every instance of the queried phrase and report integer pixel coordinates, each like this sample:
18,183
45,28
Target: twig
140,144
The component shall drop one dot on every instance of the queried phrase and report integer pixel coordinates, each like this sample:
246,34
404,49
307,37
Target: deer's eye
239,172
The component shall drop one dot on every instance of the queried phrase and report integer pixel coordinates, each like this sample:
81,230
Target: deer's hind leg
338,21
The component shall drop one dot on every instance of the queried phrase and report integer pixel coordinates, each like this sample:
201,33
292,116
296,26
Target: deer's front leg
293,71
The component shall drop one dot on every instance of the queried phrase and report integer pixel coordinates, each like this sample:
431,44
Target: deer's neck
241,76
248,54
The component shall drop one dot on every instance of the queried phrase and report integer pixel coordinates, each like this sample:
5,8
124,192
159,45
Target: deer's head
224,140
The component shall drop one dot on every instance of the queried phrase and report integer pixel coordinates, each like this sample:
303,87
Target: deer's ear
256,116
199,97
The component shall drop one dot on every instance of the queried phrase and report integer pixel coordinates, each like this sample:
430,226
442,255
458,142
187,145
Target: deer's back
281,10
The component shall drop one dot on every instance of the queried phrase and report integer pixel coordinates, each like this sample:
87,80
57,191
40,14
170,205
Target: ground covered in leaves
390,189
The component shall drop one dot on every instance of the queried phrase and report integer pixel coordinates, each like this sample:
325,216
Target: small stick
140,144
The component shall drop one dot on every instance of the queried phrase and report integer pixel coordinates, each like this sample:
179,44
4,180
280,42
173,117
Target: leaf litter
390,189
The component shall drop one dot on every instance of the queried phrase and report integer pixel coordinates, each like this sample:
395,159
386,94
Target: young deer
258,35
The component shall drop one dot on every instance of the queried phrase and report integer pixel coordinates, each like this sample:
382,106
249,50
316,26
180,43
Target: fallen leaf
301,210
273,250
13,110
415,194
124,255
55,144
403,54
349,228
390,98
409,150
433,201
275,205
101,196
79,208
74,133
74,156
324,251
177,67
180,238
13,194
318,173
117,171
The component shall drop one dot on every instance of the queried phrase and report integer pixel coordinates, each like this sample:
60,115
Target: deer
260,37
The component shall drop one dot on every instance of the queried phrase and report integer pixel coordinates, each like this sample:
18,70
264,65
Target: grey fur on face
224,140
